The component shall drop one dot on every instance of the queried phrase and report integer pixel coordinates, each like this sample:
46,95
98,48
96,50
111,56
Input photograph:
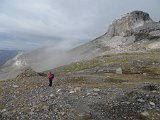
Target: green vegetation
138,68
123,59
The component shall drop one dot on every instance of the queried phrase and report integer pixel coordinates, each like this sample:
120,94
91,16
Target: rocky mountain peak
132,20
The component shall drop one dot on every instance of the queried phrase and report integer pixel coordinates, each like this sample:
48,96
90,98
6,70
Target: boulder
144,115
119,70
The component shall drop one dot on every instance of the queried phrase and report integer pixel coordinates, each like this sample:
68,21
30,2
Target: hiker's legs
50,80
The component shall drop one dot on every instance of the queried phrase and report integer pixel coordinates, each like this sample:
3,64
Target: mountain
132,32
11,66
6,55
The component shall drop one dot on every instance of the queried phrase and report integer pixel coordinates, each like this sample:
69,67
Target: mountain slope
135,31
122,86
6,55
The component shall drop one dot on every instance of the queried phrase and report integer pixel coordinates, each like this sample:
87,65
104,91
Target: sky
63,24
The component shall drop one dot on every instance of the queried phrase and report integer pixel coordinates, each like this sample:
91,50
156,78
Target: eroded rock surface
122,26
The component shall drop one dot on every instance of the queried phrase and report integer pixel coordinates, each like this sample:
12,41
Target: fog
50,57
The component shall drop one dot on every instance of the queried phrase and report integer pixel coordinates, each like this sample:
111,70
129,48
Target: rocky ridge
130,21
133,32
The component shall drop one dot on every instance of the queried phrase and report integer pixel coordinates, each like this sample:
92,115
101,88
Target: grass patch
72,80
137,78
125,59
2,106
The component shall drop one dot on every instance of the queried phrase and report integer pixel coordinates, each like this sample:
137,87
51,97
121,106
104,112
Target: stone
45,108
77,89
96,89
144,114
119,70
62,113
58,90
72,92
15,86
52,96
4,110
152,104
88,94
32,109
41,96
154,91
84,116
31,113
56,110
92,94
125,102
140,100
95,94
145,74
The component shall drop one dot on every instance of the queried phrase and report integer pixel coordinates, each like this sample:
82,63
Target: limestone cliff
123,26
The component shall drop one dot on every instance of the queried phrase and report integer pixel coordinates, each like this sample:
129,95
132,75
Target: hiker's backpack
52,76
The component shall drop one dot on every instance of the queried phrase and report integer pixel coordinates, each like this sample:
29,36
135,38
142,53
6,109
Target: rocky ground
105,88
79,97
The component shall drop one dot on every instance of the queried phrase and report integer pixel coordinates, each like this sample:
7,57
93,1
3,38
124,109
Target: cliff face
122,26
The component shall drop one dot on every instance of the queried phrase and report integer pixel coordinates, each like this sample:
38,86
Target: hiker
50,76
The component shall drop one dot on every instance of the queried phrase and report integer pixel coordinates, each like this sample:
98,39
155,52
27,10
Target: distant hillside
5,55
133,32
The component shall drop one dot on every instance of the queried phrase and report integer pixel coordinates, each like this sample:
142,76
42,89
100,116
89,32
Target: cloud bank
30,24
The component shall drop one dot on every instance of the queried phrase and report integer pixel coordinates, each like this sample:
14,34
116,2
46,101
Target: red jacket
50,76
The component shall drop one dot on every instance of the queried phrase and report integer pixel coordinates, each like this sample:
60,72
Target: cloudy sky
29,24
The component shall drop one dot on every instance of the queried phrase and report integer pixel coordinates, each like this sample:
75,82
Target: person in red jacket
50,76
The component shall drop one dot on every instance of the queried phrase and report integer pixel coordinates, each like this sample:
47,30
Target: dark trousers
50,81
